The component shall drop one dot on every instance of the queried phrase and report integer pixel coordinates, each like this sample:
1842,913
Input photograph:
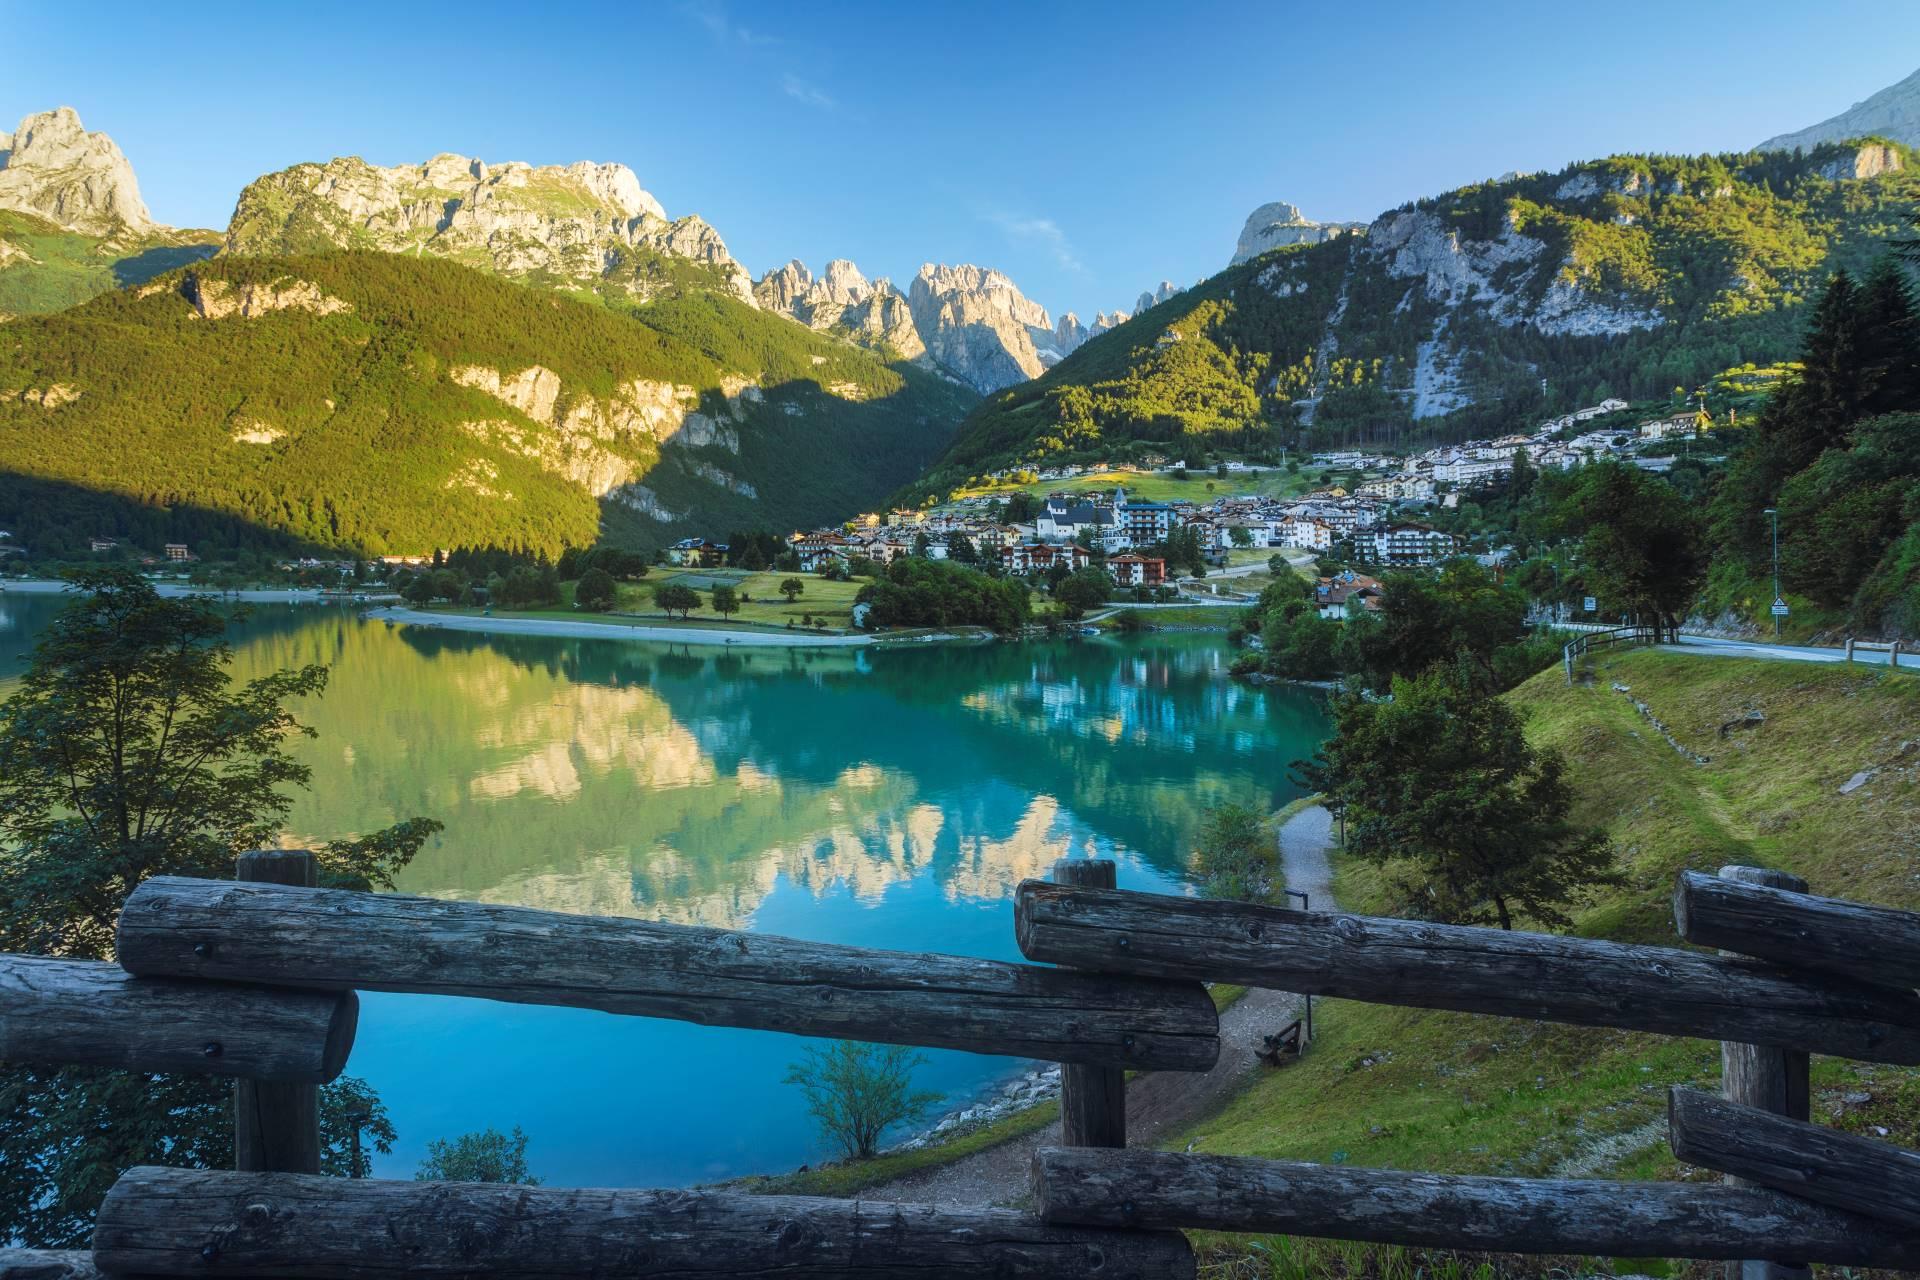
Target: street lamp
1773,516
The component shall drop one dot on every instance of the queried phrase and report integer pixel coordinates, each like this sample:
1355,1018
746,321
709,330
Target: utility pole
1773,515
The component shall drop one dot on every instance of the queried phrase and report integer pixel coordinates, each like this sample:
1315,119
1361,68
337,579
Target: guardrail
265,971
1587,641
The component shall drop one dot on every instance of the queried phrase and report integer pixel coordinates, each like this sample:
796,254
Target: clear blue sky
1089,150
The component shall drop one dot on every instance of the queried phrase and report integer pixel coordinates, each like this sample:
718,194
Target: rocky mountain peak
1154,297
52,167
979,327
578,222
1893,113
1279,224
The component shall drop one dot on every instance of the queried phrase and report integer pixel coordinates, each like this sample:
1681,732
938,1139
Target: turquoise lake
888,798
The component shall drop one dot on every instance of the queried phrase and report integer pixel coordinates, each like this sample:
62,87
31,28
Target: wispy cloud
801,91
713,17
1044,232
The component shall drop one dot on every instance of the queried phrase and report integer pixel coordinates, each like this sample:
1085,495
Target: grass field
1468,1094
1162,486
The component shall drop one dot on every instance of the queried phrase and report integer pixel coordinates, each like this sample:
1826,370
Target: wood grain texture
89,1013
276,1126
1765,1077
1093,1187
1841,1170
1433,966
1093,1100
46,1264
171,1222
1874,944
718,977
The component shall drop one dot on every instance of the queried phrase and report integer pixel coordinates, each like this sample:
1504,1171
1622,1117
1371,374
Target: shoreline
171,590
710,636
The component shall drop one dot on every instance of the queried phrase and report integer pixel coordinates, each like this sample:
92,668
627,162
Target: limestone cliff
1277,225
977,326
585,225
72,224
843,301
968,322
52,167
1894,113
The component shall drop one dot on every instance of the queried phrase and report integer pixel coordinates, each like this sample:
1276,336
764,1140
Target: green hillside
341,400
44,267
1626,276
1461,1093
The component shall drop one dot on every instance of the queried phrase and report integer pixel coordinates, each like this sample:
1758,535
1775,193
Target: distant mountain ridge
1469,313
1893,113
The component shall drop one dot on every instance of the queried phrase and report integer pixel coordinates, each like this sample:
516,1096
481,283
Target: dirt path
1159,1104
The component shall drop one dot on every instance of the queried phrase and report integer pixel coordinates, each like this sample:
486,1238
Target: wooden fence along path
255,979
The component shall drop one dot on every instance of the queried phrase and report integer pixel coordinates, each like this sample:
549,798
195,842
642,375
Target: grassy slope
56,268
1459,1093
372,417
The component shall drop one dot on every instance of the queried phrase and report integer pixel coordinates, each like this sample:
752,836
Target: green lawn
1161,486
1460,1093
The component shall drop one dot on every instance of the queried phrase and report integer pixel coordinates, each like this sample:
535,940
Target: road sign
1592,604
1779,608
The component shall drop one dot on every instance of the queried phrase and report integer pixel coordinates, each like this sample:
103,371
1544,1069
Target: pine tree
1889,342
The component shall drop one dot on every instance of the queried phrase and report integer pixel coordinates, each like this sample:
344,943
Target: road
1717,646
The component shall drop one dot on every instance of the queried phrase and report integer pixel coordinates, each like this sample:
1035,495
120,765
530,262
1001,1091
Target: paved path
1159,1104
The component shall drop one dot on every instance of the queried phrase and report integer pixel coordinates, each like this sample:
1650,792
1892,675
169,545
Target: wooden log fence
47,1264
335,940
255,980
1841,1170
1873,944
185,1222
1088,1186
1093,1100
87,1013
1552,978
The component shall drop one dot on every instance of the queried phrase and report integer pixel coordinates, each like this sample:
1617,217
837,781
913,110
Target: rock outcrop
1154,297
968,322
1869,160
581,224
1893,113
53,168
979,327
843,301
1277,225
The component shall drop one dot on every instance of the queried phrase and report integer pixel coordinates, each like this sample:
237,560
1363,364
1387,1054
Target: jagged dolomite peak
1277,225
842,301
576,223
979,327
1154,297
1894,113
52,167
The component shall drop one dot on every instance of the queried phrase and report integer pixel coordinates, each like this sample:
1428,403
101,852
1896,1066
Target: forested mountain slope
388,404
1473,312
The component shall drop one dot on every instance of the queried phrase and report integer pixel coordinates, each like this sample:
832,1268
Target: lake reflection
888,798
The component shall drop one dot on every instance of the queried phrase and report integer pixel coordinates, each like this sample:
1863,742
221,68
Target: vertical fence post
276,1127
1770,1079
1093,1100
1849,649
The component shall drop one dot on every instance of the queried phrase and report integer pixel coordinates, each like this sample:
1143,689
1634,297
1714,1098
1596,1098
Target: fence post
1849,650
1893,655
1093,1100
1771,1079
276,1127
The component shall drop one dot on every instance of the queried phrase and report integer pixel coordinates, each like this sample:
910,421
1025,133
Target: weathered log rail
94,1014
1088,1186
335,940
273,967
1587,641
190,1222
1548,977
